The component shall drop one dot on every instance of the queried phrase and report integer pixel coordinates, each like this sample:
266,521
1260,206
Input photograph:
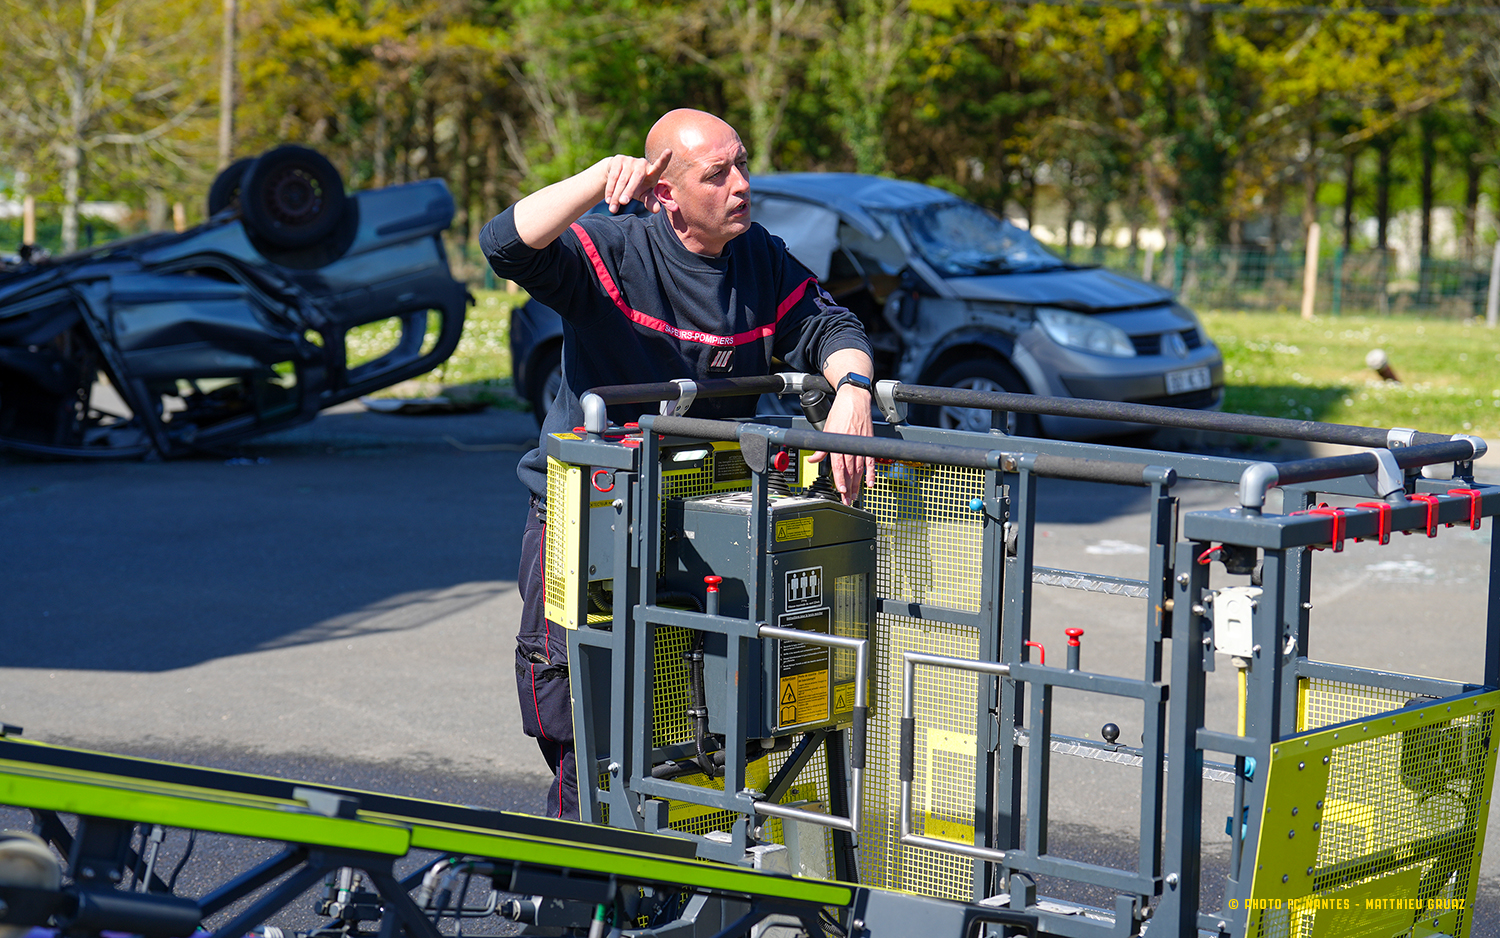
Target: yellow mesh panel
1374,827
1322,702
723,462
559,583
669,692
929,552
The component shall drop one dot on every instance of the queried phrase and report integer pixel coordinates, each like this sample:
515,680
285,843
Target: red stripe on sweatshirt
685,335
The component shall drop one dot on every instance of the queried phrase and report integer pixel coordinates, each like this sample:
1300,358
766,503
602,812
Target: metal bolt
1291,833
1285,878
114,876
1198,609
614,768
1315,825
88,872
1294,812
617,504
1307,605
1325,760
1309,871
857,923
1182,579
1301,766
1223,926
1173,880
1319,805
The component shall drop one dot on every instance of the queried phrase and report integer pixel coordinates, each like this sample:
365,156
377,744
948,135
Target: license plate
1189,379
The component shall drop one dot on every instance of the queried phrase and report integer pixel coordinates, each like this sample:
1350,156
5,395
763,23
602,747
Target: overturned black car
172,343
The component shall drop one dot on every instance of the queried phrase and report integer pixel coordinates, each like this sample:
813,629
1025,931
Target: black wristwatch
856,379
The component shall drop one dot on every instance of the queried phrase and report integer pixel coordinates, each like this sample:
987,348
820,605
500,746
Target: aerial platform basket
940,786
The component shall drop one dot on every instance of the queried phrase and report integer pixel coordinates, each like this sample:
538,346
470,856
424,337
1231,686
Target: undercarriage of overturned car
172,343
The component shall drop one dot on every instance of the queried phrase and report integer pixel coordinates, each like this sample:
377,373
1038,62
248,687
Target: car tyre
547,381
292,197
978,374
225,192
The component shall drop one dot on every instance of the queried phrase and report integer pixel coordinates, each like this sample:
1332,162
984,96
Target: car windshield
961,239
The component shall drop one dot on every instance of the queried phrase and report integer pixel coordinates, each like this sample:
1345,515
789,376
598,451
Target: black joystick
1110,732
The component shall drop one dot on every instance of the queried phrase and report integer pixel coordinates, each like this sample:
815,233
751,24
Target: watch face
858,380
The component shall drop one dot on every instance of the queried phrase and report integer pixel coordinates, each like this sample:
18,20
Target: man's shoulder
605,229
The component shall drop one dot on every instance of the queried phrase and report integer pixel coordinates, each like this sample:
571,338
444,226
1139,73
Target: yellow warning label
804,698
567,436
947,829
602,503
843,698
794,529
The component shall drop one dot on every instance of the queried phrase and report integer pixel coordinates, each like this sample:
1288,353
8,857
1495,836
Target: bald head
704,188
688,133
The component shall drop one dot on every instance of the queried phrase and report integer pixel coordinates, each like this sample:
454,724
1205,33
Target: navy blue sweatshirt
637,306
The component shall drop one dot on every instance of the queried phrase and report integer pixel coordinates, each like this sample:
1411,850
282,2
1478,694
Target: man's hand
630,177
850,414
547,213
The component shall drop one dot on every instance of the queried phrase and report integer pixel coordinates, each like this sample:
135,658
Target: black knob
1110,732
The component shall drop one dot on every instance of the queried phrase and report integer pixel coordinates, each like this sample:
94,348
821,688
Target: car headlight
1085,333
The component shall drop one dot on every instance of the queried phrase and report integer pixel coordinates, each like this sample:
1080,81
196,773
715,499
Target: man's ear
664,195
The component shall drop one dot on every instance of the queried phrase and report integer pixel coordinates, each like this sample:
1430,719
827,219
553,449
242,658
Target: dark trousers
542,675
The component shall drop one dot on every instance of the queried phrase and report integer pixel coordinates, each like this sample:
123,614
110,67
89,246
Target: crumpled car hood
1091,290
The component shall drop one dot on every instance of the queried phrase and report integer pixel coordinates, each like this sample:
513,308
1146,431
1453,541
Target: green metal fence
1255,277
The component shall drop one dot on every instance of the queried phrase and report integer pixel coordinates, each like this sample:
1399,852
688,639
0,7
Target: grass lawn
1280,365
1275,364
479,369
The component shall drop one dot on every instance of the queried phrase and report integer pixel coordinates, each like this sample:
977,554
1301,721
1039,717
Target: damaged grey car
170,343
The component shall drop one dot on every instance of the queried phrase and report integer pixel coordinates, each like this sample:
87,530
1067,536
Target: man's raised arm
547,212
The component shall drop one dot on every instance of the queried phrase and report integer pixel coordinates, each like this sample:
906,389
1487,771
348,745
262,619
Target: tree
864,49
118,83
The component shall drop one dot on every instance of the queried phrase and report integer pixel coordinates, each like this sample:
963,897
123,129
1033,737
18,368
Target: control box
818,570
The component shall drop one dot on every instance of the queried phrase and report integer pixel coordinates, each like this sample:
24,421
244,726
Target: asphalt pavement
337,604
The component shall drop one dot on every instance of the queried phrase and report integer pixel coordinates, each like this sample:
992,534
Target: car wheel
978,374
225,192
292,197
546,383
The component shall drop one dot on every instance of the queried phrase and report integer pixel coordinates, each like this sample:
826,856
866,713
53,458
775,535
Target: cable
182,861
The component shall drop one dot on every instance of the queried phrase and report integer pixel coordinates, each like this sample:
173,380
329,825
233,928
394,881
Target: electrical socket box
1234,609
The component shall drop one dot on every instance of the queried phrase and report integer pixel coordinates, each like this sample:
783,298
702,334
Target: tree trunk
381,144
1383,194
226,86
156,209
463,175
72,160
489,190
1472,176
1349,160
1070,209
1429,160
1310,185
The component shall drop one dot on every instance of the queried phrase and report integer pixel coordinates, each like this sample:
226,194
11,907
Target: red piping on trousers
686,335
541,555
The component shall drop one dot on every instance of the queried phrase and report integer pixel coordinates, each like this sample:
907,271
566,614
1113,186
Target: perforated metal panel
721,468
1372,827
929,552
1321,702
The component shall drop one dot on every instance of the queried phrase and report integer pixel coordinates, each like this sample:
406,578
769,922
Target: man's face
709,190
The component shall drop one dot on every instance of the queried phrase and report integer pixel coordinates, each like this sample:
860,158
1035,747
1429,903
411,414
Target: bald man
695,290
